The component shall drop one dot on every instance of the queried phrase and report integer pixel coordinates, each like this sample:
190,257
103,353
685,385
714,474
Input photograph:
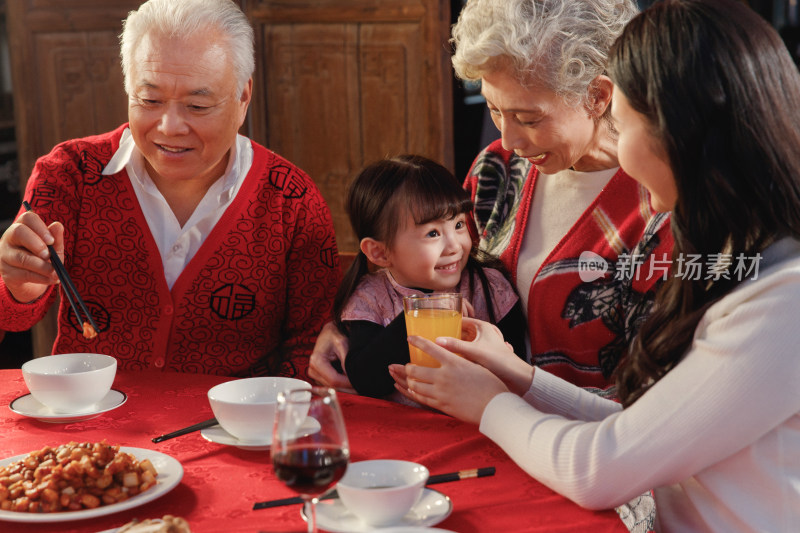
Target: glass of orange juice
430,316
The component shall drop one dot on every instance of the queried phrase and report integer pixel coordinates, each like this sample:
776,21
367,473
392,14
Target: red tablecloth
221,483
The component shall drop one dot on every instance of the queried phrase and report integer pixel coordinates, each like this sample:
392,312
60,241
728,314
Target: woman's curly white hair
561,45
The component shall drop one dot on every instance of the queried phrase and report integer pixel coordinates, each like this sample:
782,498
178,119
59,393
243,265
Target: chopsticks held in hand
190,429
88,325
433,480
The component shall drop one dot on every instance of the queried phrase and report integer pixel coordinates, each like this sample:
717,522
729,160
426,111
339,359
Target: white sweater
718,437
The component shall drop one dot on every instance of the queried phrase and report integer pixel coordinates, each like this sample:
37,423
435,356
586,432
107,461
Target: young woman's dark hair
724,98
378,200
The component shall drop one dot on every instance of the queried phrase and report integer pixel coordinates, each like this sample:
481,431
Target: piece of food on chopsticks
72,477
88,331
168,524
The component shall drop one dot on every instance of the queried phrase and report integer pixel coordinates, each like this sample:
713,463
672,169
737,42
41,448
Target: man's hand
24,259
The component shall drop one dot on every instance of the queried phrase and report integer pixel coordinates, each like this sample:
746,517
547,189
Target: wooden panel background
66,72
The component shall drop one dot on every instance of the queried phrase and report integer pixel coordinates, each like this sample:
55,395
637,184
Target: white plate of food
170,523
169,470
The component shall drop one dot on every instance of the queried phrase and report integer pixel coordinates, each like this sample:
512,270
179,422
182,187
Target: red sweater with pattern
579,327
250,302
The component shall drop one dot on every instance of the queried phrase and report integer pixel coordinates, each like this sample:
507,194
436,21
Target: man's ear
600,92
375,251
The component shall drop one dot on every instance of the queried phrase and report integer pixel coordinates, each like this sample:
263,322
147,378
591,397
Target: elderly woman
196,249
550,199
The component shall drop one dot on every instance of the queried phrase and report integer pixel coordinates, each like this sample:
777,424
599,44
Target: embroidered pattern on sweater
614,301
498,192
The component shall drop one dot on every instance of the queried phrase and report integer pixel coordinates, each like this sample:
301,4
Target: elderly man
195,248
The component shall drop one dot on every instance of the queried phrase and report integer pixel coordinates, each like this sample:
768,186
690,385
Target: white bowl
70,382
381,491
245,408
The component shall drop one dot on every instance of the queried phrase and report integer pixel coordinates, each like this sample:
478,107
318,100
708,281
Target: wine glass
309,444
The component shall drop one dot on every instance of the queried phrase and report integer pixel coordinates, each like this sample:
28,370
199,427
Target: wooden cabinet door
341,83
66,71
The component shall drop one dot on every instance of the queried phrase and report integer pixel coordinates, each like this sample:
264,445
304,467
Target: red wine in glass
309,469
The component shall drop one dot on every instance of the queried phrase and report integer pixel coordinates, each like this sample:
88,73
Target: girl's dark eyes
459,224
432,233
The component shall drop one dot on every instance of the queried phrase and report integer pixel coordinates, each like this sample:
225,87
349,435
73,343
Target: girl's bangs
432,198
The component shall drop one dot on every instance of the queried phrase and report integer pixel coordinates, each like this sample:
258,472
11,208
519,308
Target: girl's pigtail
358,269
474,265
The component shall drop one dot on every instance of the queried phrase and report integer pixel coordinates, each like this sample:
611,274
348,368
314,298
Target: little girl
410,215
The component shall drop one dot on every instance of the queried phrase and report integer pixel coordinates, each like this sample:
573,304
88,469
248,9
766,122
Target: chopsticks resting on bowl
433,480
189,429
88,326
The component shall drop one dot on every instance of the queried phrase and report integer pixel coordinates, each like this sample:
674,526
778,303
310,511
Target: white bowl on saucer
70,382
381,492
245,408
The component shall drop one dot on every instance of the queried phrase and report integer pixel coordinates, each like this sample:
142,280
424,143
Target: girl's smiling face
642,155
430,255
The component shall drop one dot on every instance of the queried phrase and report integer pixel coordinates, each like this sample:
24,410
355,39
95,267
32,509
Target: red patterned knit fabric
250,302
579,329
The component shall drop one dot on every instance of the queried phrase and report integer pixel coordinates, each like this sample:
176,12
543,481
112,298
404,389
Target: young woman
410,216
707,104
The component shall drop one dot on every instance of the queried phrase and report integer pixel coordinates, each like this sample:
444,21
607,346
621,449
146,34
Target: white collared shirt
177,245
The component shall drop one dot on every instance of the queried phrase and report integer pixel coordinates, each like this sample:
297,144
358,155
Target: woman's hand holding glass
472,373
483,343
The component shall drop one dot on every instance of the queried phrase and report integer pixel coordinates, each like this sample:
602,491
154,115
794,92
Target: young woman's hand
487,347
467,309
330,346
459,387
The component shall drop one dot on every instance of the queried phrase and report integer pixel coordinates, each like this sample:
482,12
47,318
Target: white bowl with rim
245,407
381,491
70,382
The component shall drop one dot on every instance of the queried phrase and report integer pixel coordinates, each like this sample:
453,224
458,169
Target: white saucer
432,508
218,435
28,406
